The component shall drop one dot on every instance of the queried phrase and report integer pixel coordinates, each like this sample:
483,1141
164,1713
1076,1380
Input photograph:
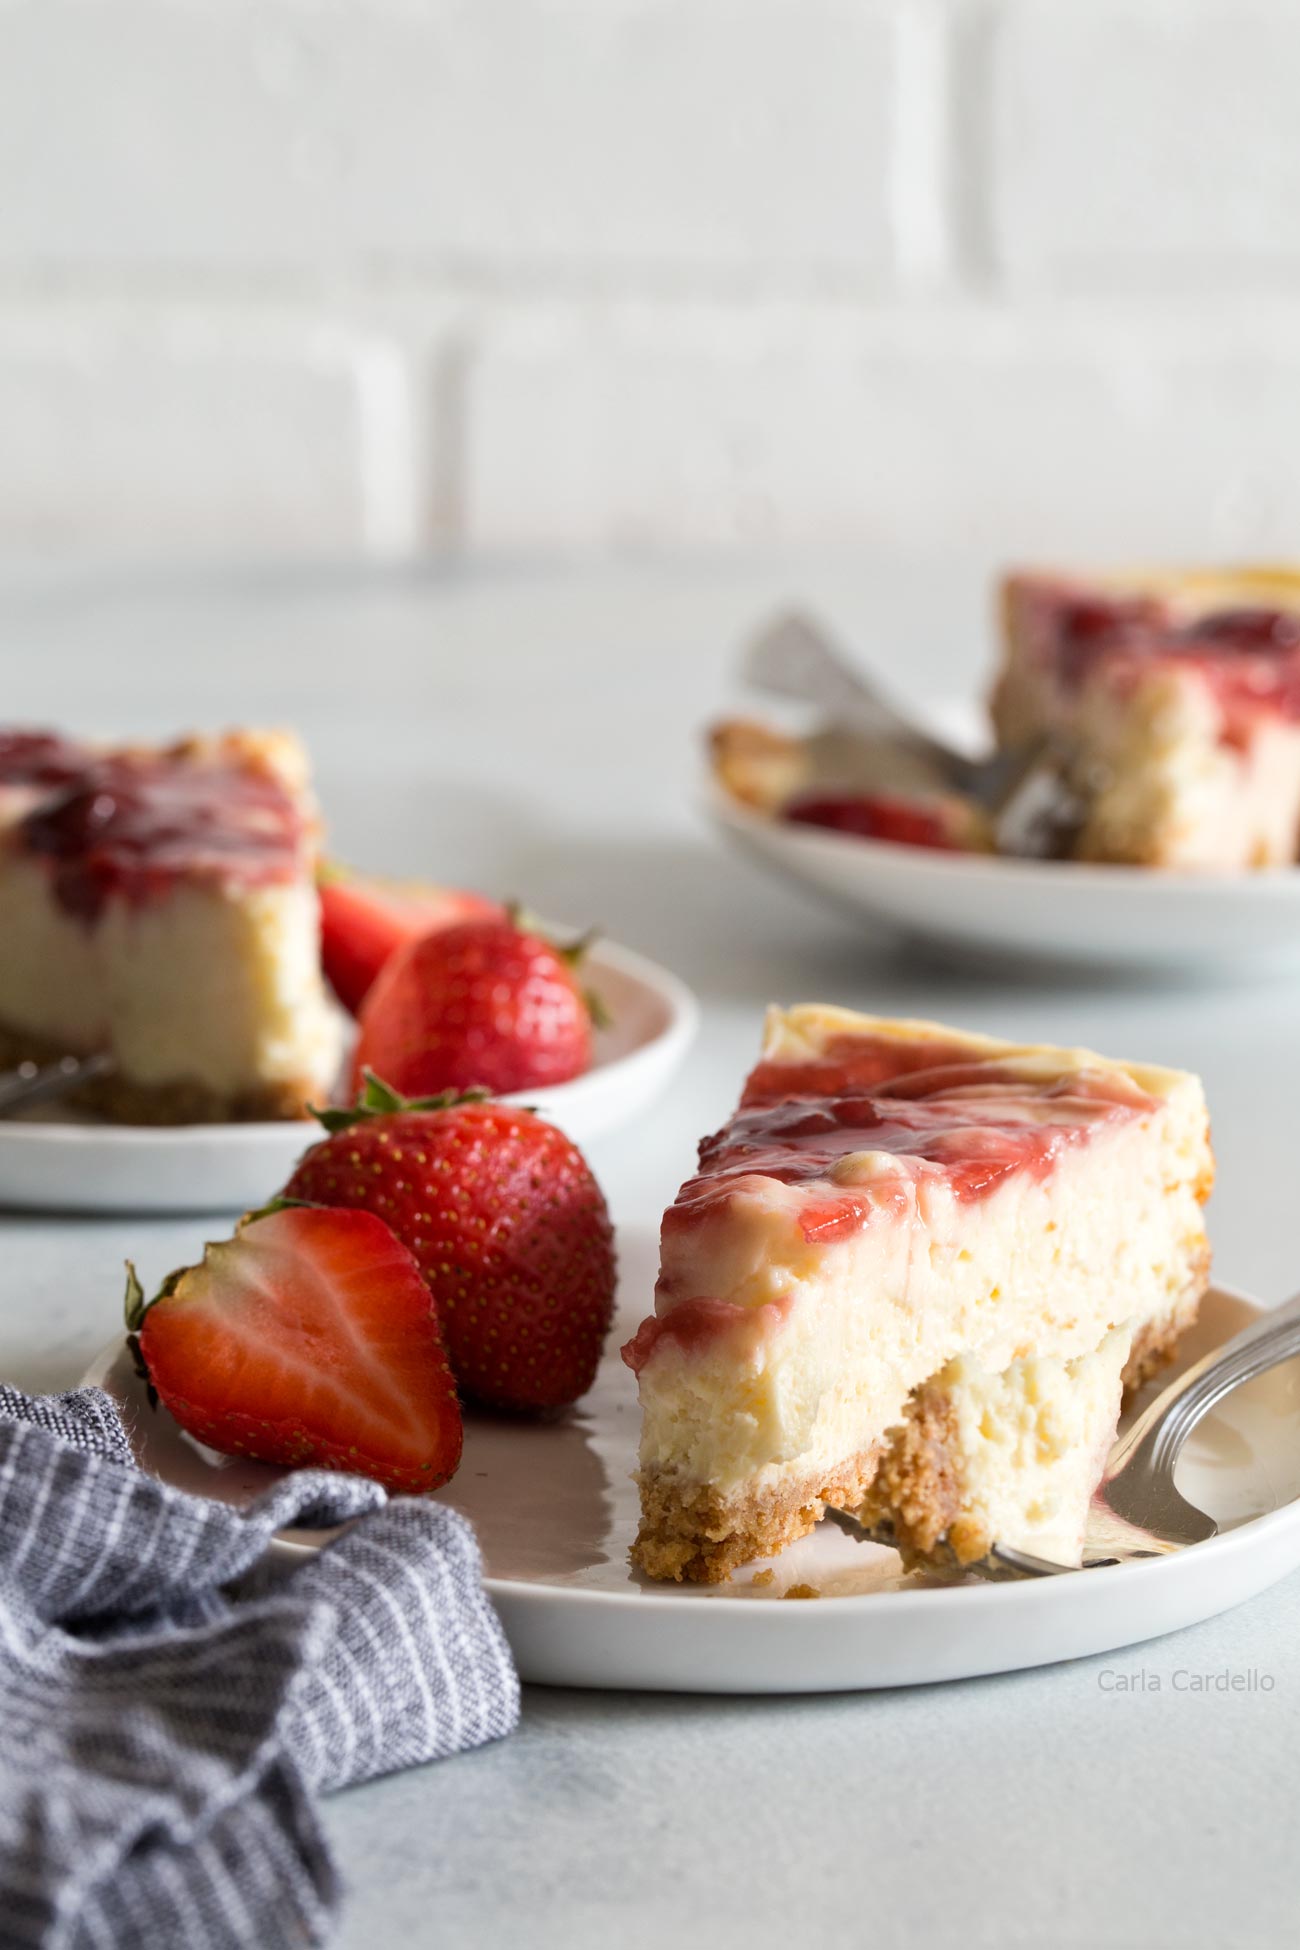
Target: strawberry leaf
379,1099
141,1366
571,953
136,1304
576,952
600,1016
135,1300
276,1204
136,1309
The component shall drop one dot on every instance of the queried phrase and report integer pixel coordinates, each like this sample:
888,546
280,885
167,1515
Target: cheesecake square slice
159,903
911,1277
1176,697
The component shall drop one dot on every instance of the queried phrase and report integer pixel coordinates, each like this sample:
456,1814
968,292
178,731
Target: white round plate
61,1163
1117,916
555,1509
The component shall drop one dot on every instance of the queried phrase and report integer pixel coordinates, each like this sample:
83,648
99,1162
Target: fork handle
792,656
36,1084
1167,1423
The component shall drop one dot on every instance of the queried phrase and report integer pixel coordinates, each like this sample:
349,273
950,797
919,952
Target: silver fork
1137,1511
793,656
39,1083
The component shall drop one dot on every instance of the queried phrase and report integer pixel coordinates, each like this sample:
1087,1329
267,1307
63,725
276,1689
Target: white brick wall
1146,146
1017,430
435,136
385,275
159,432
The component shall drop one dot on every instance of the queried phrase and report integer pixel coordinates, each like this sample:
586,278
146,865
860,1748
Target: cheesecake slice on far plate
1175,697
159,904
910,1278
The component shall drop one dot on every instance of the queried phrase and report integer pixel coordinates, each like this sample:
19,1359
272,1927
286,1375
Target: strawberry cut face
509,1227
364,922
310,1338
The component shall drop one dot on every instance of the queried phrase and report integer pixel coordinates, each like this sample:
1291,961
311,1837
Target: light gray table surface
536,732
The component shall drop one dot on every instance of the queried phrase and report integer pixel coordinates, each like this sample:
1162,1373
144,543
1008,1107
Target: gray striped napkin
161,1740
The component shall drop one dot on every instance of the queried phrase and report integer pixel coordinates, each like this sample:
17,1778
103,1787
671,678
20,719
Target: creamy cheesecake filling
251,980
960,1200
811,1349
1011,1457
1171,790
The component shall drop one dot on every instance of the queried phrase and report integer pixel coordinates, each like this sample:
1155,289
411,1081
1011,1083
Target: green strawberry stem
136,1309
379,1099
600,1016
572,954
136,1305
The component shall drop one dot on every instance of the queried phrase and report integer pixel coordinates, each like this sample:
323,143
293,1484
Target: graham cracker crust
183,1101
1155,1346
915,1494
692,1533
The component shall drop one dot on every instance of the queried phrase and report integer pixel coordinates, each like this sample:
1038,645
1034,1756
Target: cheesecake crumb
763,1577
801,1591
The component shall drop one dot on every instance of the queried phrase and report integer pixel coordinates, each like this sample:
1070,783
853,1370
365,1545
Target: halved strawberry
310,1338
364,922
507,1223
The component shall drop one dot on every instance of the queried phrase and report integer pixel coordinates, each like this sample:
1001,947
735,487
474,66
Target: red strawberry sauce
1248,657
696,1324
130,825
875,816
972,1121
39,758
977,1120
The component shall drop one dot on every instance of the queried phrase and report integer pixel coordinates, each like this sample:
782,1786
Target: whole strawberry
310,1337
486,1003
505,1221
363,922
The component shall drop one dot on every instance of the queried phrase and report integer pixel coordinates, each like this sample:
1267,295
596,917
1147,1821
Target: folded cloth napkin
161,1740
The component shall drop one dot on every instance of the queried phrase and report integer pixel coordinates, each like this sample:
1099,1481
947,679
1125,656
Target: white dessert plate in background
555,1509
60,1162
1136,917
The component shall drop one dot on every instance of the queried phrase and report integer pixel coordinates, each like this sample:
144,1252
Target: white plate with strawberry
589,1033
323,1334
899,867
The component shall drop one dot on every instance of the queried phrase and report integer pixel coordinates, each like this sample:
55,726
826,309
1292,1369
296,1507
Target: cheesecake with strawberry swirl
158,905
1172,699
1142,718
910,1278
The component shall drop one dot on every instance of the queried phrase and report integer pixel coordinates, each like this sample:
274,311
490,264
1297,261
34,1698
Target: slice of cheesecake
159,904
910,1277
1176,697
